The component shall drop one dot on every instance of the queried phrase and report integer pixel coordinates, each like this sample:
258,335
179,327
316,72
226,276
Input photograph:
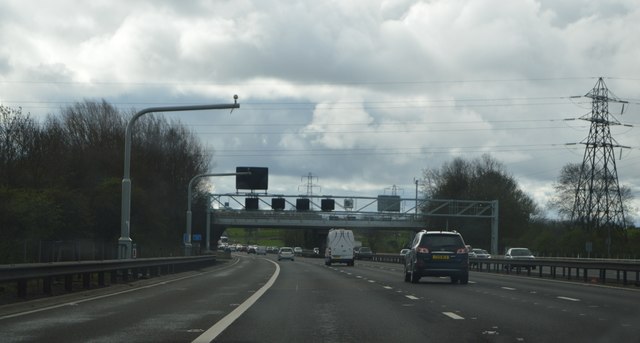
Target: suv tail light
422,250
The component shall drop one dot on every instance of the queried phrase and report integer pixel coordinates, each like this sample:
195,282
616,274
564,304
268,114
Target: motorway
257,299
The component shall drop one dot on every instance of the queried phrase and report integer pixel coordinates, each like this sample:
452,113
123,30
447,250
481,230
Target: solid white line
452,315
412,297
73,303
567,298
221,325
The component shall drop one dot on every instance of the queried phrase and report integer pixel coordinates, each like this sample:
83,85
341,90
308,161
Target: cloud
364,94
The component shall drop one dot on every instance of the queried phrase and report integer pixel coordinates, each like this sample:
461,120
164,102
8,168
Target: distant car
251,249
261,250
285,253
437,253
362,253
404,251
297,251
479,253
519,254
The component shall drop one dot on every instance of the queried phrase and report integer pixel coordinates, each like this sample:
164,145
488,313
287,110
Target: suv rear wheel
415,278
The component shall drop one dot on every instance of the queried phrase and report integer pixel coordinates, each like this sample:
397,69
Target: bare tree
565,193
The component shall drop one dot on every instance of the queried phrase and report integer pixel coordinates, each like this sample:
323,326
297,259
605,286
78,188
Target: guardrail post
68,283
585,275
101,279
22,289
577,273
125,275
46,285
86,280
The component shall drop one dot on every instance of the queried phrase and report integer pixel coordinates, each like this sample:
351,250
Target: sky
363,95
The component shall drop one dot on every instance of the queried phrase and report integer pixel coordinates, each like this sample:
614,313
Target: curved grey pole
187,240
125,242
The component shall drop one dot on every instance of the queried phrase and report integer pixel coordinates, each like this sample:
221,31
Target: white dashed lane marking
452,315
508,288
567,298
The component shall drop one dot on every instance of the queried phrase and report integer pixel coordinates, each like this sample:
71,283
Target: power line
373,131
278,81
287,153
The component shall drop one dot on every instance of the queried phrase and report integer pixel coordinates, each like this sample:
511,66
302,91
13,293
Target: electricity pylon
598,201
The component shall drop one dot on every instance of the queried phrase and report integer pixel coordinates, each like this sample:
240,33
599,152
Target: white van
340,244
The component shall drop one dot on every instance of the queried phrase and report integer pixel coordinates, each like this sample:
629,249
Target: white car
286,253
519,254
297,251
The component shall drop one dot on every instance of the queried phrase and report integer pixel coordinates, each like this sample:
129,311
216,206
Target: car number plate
440,257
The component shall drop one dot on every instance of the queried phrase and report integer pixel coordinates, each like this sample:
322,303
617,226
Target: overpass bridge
323,212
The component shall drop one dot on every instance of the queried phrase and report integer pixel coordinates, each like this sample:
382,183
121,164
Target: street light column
125,242
187,236
208,224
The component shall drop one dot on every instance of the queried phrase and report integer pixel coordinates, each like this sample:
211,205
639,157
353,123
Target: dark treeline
519,217
60,183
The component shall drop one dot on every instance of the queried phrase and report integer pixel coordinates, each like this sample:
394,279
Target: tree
482,179
19,135
61,180
565,193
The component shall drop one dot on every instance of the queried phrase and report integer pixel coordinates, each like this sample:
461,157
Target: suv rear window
442,242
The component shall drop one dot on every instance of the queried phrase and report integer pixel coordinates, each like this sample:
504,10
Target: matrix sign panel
258,180
302,204
388,203
328,205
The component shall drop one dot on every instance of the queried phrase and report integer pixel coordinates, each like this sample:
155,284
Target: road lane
175,309
309,301
523,308
314,303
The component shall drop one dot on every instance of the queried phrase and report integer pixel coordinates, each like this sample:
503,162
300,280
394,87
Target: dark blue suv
437,253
